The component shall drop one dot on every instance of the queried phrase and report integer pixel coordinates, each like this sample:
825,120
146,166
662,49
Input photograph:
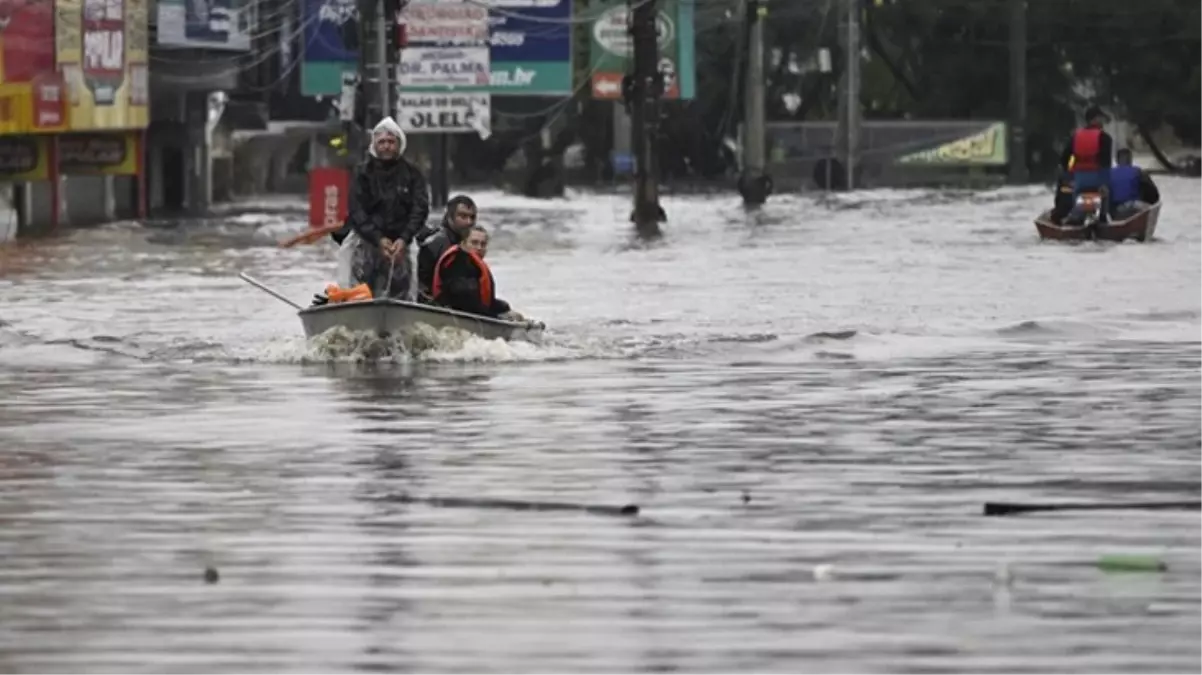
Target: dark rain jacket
429,253
387,199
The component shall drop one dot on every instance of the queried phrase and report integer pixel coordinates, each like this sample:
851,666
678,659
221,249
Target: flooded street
810,405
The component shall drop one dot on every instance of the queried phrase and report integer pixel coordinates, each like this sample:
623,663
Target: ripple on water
810,414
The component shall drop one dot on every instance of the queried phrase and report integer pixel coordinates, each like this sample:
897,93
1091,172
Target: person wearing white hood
389,205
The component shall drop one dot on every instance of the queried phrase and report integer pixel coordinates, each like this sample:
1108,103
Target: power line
261,58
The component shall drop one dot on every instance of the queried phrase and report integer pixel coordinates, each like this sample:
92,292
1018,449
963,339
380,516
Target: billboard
99,154
444,113
529,43
612,49
986,147
206,24
31,92
102,55
24,158
329,45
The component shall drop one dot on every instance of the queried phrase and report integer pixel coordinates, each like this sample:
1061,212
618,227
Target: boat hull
386,317
1140,227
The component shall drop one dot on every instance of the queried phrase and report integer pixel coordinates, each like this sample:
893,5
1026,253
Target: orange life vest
444,261
1087,143
353,294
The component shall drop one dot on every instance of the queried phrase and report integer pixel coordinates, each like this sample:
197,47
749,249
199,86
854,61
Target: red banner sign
328,198
49,101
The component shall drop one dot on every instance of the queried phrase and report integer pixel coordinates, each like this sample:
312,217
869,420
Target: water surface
832,385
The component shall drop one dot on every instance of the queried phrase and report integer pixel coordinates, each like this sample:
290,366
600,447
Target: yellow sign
16,108
99,154
985,148
24,158
102,54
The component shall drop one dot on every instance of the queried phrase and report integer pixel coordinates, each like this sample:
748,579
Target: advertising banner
99,154
31,93
444,113
102,55
329,46
529,43
454,24
328,197
206,24
24,158
984,148
612,49
425,68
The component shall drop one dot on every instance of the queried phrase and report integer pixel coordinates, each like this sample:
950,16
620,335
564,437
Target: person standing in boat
1131,189
1088,156
458,219
389,202
463,281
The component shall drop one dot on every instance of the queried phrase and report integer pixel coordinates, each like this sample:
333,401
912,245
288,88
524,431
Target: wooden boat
387,317
1139,226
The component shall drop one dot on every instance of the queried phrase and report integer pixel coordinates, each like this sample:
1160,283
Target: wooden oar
1006,509
310,236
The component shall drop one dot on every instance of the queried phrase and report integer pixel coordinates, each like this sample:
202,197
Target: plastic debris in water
824,572
1131,563
1003,575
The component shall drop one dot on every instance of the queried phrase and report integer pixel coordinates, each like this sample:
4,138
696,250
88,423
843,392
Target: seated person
462,280
457,220
1131,189
1064,197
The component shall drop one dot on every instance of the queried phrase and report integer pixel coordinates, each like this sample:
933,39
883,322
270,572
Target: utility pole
383,66
1018,91
644,88
377,60
754,184
852,91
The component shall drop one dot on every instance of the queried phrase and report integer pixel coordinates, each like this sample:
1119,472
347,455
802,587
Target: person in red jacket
1089,155
463,281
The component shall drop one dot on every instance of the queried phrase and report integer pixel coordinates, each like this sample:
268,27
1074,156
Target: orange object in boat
352,294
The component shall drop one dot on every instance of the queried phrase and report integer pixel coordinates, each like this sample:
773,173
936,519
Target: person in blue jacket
1131,189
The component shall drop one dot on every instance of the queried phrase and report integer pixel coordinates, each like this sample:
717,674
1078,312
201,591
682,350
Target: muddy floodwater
810,405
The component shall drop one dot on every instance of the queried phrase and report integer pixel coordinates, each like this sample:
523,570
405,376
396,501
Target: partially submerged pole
754,184
646,87
853,90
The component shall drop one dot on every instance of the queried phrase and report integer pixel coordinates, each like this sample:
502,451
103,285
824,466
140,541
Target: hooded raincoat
389,199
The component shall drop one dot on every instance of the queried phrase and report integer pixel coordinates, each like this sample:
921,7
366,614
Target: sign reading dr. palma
984,148
102,54
215,24
445,113
443,68
529,42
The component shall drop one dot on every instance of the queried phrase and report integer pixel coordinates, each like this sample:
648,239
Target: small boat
1139,226
388,317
